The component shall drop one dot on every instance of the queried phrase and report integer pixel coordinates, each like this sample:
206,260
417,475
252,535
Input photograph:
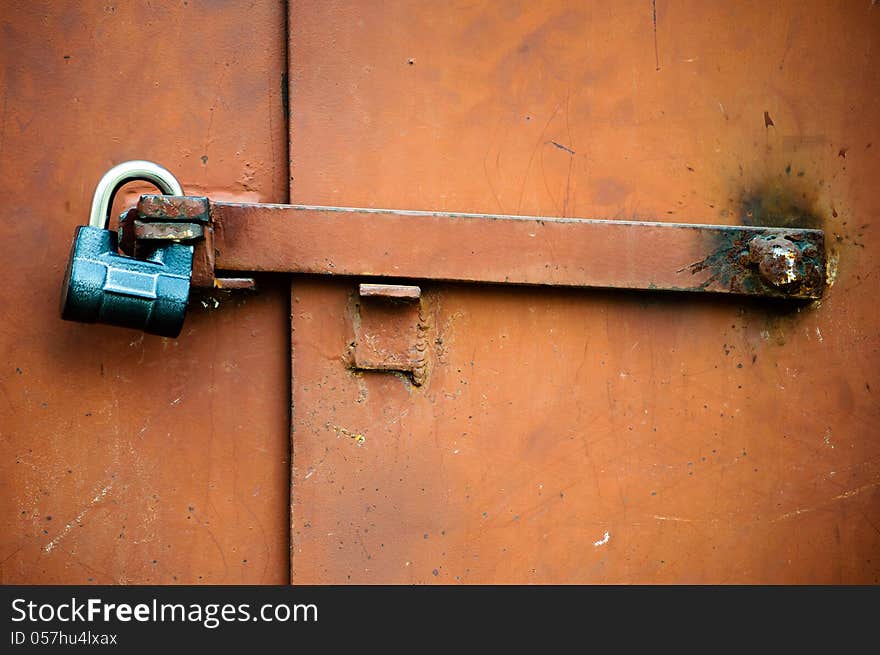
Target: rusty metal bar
519,249
394,291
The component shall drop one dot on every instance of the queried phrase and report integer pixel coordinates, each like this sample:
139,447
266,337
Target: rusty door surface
591,436
540,435
129,458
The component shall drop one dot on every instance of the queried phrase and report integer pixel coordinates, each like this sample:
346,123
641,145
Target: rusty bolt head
810,250
779,260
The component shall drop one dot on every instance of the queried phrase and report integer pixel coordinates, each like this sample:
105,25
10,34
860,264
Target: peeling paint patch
604,540
827,438
856,491
789,515
831,264
671,518
358,437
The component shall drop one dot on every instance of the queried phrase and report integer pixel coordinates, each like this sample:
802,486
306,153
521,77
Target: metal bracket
184,219
390,331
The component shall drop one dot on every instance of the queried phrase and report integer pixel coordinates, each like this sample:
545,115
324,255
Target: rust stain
782,202
791,264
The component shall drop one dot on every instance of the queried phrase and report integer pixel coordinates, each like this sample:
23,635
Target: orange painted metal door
591,436
124,457
544,435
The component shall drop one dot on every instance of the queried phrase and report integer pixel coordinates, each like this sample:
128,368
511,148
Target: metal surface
592,436
123,173
235,283
127,457
561,436
510,249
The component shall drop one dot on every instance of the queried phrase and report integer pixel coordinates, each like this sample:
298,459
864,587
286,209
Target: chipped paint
831,267
826,439
78,518
358,437
677,519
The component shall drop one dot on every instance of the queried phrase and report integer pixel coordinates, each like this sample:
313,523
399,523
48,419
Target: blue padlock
103,286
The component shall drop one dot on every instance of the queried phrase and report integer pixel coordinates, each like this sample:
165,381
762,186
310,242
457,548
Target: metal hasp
757,261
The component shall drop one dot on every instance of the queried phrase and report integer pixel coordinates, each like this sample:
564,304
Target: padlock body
102,286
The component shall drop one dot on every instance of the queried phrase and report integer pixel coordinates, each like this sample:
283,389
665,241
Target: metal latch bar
762,261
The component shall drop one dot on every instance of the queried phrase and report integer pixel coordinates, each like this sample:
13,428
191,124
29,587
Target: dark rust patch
780,203
770,263
786,192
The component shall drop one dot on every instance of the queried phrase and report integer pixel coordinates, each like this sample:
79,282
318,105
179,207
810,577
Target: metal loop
125,172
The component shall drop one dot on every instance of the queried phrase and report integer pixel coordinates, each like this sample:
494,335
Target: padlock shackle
125,172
